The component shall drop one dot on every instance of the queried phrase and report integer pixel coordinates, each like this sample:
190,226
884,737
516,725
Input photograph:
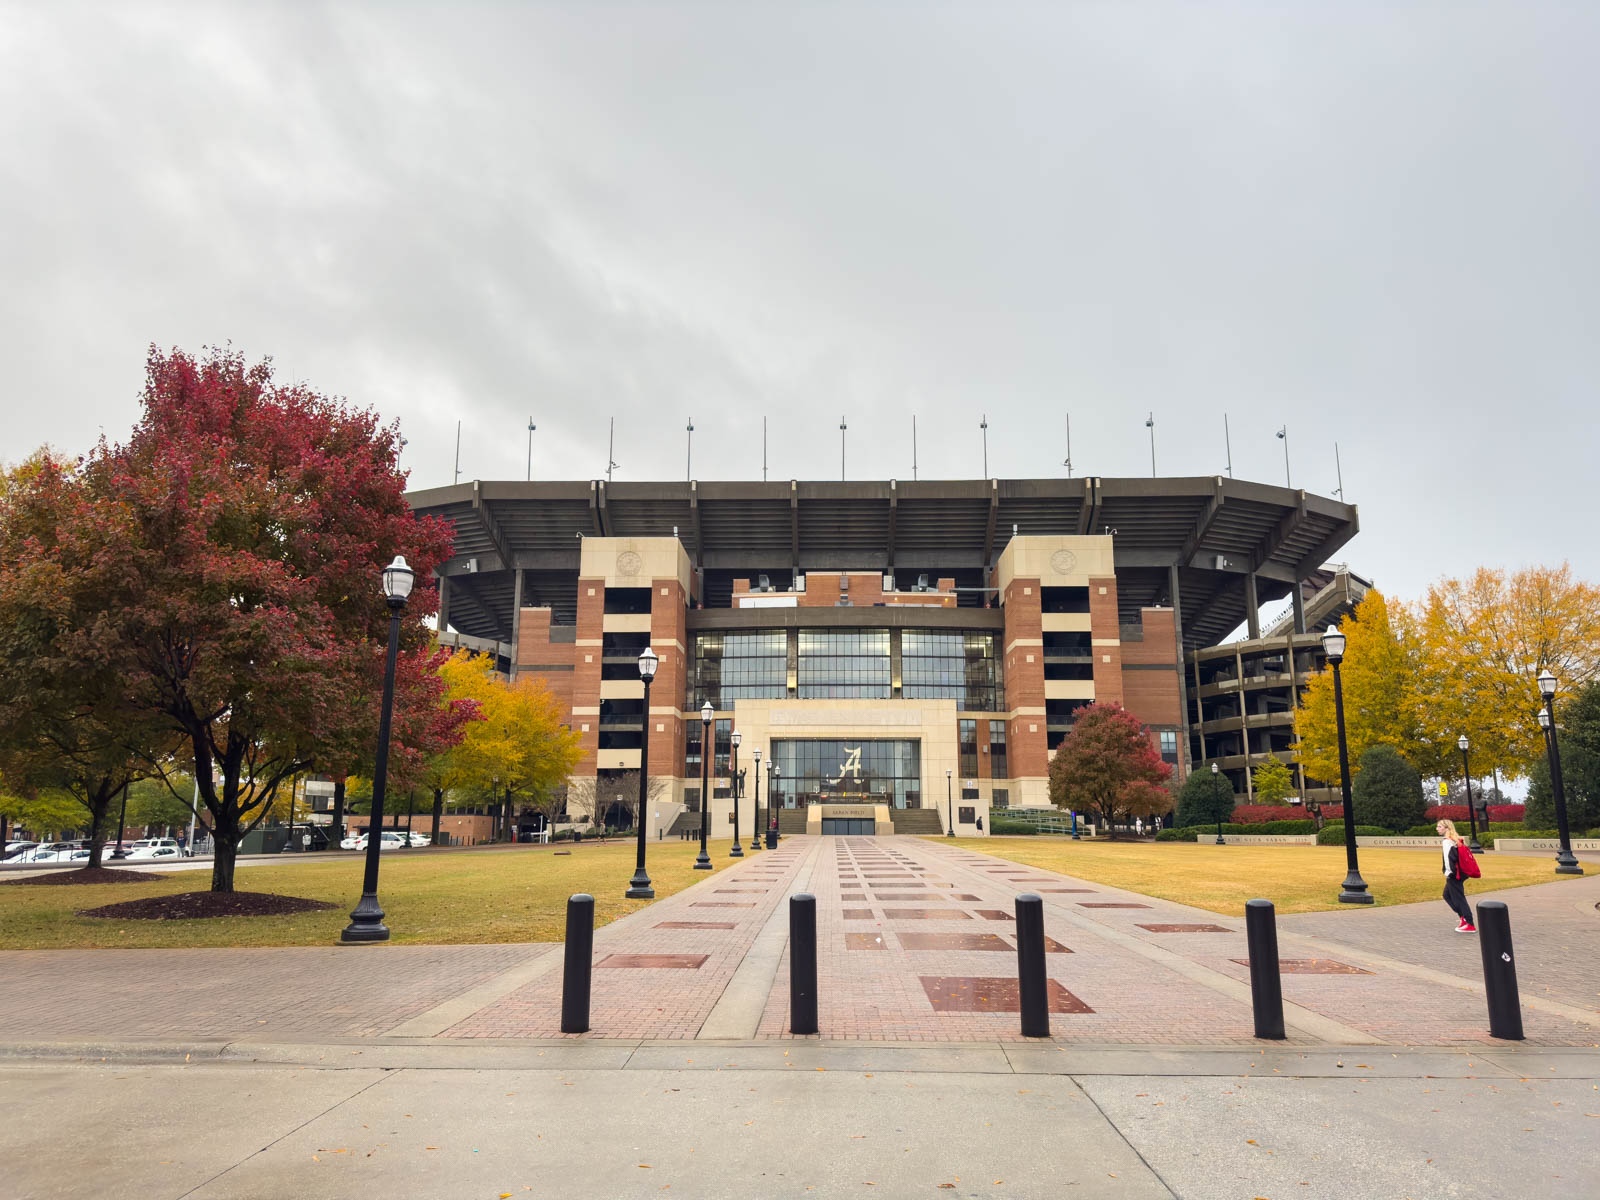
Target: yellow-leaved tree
1483,642
1381,695
533,751
473,761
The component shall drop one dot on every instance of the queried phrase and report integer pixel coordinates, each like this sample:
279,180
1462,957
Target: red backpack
1466,865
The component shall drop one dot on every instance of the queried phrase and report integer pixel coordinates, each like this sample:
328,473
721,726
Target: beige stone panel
626,623
622,689
1056,689
1053,622
617,760
634,562
1064,561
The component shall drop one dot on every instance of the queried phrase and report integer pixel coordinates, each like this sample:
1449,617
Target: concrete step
915,821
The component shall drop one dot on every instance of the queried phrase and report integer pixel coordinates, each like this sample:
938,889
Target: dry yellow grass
438,897
1222,878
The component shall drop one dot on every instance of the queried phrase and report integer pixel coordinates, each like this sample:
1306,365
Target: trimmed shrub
1249,814
1333,835
1388,792
1177,835
1010,825
1303,825
1205,797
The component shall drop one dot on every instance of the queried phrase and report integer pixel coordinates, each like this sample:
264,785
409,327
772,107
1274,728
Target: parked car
154,848
390,841
350,841
54,852
420,839
14,851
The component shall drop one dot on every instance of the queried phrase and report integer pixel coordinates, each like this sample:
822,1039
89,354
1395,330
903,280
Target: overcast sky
1376,225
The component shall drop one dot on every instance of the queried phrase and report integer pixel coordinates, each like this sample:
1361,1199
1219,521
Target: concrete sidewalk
617,1119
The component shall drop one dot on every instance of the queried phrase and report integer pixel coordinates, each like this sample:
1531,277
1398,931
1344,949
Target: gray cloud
1372,224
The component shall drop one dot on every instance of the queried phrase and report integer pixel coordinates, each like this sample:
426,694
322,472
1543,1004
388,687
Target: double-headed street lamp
1355,887
702,861
1214,776
1566,862
949,811
366,921
733,786
639,886
755,804
1466,775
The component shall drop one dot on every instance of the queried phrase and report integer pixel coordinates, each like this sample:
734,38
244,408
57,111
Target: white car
159,848
390,841
55,852
15,851
420,839
349,843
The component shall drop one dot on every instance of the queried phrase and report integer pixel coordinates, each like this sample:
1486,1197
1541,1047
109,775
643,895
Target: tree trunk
99,807
338,812
438,812
224,855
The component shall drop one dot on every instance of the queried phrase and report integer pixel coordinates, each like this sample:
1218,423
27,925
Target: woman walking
1455,894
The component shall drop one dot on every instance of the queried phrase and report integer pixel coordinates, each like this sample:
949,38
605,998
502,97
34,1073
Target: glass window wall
845,771
844,664
941,665
744,665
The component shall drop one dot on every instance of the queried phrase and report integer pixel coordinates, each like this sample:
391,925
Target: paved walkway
915,946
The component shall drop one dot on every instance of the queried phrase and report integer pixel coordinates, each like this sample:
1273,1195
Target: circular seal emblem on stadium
1063,561
628,563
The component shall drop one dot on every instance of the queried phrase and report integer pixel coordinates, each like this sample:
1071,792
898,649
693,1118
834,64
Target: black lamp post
1566,862
1466,775
949,810
639,886
755,804
733,786
773,771
1215,798
366,921
702,861
1355,887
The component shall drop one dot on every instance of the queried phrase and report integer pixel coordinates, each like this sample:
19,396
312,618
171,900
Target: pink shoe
1465,928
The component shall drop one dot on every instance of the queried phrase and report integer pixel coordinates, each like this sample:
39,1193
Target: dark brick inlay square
1187,928
994,914
688,962
1051,946
1108,904
924,897
864,941
1311,966
972,993
695,925
965,896
952,941
857,914
924,914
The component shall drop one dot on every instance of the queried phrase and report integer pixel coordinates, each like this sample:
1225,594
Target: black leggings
1456,897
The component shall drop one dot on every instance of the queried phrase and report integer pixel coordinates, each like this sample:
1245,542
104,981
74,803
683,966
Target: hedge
1458,812
1333,835
1009,825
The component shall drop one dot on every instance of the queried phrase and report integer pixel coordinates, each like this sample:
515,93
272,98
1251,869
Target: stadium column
516,620
1252,606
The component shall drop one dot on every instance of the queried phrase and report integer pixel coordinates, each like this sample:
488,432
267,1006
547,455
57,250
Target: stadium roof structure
1212,534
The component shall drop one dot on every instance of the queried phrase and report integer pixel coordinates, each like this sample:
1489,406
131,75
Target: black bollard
1499,971
803,963
1031,985
1266,986
575,968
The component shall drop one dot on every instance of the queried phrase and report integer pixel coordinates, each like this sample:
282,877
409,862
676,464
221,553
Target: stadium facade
895,648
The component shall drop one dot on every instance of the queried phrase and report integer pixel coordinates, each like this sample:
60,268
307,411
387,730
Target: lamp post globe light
755,804
639,886
733,786
1355,887
949,810
1214,777
366,920
702,861
1472,813
1566,862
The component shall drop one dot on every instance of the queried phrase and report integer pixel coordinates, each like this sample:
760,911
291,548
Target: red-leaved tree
1108,767
225,564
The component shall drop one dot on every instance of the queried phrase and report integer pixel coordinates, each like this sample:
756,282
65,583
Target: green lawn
439,897
1222,878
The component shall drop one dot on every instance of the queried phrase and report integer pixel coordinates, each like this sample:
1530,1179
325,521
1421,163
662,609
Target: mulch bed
189,905
89,875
